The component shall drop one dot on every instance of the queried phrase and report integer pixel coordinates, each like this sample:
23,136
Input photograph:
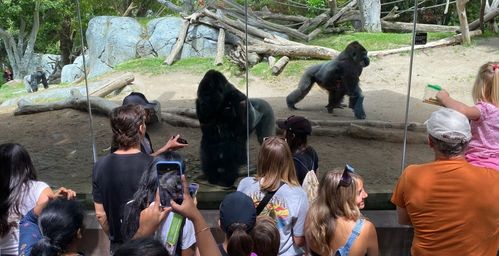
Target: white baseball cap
449,125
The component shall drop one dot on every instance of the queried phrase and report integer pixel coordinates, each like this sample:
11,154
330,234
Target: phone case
169,182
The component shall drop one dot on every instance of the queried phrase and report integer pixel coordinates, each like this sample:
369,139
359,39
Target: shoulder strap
266,200
345,249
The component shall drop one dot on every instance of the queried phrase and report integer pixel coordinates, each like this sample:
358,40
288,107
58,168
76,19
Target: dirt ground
60,141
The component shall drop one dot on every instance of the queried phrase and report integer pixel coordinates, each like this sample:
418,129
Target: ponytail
240,241
45,247
59,222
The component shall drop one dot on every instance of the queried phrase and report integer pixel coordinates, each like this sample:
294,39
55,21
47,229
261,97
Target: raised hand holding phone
169,183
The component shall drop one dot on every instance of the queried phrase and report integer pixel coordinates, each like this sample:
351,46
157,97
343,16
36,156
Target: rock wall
114,40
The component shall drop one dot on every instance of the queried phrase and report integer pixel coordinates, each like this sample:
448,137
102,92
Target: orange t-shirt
453,207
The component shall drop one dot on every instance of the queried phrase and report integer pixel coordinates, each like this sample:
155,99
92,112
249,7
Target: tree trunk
463,20
489,16
66,42
279,65
333,6
337,15
20,54
370,17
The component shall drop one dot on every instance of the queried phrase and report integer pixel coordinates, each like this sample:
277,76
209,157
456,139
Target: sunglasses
346,178
281,138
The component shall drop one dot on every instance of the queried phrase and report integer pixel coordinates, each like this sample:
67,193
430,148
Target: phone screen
169,183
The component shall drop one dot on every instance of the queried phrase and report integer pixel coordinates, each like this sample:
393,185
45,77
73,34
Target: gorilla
339,77
221,110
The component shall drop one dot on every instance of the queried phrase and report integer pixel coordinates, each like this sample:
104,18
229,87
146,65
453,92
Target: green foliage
11,91
316,3
154,66
373,41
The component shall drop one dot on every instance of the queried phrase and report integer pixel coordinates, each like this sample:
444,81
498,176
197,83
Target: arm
403,217
204,239
150,218
372,240
299,241
171,144
101,217
471,113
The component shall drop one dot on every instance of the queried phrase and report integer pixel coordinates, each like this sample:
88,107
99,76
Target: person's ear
142,128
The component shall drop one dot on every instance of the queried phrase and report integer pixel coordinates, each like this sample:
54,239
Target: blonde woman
276,192
334,224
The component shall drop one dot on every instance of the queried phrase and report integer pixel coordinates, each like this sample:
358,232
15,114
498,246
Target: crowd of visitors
450,202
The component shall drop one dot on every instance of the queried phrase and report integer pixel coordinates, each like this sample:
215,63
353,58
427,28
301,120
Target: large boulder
111,41
73,71
47,62
201,40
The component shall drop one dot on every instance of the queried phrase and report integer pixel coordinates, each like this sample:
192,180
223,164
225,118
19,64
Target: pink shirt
483,149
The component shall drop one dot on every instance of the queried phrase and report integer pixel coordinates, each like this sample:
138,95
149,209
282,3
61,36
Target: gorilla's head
358,53
211,92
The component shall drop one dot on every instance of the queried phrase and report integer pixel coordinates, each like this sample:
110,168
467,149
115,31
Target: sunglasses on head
282,138
346,178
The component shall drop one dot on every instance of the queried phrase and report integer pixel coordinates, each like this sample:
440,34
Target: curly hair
125,123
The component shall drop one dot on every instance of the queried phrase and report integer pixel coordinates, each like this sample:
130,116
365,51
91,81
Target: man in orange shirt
452,205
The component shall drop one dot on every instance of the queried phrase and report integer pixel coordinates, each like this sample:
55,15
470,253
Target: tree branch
170,5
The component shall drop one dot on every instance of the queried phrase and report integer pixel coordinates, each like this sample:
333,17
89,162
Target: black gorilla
221,110
339,77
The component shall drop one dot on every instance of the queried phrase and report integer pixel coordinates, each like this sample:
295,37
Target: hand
441,95
66,193
173,144
188,207
62,192
151,217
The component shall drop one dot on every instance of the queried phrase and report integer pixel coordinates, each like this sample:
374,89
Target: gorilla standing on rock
221,110
339,77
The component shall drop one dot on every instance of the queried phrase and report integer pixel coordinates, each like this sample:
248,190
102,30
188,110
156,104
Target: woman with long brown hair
334,224
276,192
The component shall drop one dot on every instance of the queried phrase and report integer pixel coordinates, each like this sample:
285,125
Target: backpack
310,182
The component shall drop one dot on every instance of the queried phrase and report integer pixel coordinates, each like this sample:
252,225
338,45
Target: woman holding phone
158,173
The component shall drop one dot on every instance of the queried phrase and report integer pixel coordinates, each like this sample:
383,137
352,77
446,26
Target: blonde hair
275,164
486,87
333,201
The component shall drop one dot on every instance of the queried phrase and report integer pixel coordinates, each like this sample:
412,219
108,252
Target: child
483,149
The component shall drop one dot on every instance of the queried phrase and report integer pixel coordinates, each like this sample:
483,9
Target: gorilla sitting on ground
221,110
339,77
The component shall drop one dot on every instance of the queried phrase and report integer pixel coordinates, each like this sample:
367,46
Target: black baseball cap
296,124
139,99
237,207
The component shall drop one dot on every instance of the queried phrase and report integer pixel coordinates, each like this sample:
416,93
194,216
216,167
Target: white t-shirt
188,234
9,243
288,206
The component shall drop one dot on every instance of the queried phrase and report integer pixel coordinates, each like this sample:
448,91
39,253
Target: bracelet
204,229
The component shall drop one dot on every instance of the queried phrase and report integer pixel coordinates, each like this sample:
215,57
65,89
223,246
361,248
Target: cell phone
193,189
182,141
169,182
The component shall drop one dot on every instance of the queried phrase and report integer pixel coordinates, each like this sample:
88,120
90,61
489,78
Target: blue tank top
345,249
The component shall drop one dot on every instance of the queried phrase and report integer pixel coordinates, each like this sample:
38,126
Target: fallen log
277,16
337,15
389,135
188,112
75,101
456,39
314,23
219,58
178,45
279,65
388,26
114,85
178,120
294,51
488,17
412,126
